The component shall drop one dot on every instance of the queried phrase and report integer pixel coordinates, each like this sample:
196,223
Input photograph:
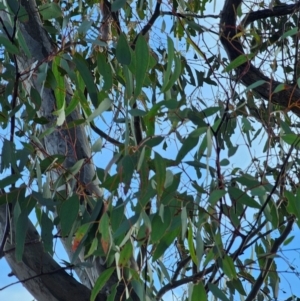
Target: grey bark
49,281
70,142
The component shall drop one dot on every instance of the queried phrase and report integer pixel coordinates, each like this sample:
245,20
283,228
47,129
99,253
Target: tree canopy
157,140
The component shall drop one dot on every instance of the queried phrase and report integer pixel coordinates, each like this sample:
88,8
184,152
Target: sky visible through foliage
243,158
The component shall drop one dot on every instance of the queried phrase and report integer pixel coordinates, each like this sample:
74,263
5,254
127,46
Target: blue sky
290,282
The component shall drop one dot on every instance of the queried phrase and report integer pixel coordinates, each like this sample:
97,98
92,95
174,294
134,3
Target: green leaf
7,155
160,226
104,228
169,82
61,115
215,196
35,97
232,150
113,292
125,254
291,139
117,5
7,181
142,61
199,292
60,90
293,204
188,144
85,26
154,141
170,61
191,245
141,159
128,82
46,232
93,247
288,240
184,220
68,213
97,146
138,287
8,45
117,215
73,103
279,88
104,106
237,285
255,85
228,267
217,292
104,69
164,243
123,53
194,26
50,11
127,168
101,281
224,162
87,77
78,241
160,173
289,33
21,225
73,170
240,60
242,197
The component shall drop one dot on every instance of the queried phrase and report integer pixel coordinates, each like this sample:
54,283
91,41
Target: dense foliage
157,140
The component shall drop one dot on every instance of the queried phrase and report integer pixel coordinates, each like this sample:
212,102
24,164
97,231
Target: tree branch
150,23
264,272
289,97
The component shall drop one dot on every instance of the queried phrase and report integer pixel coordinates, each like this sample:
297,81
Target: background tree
122,128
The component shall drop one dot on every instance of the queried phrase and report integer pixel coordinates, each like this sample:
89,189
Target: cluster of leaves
174,182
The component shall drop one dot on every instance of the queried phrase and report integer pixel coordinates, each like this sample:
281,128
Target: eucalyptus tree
123,128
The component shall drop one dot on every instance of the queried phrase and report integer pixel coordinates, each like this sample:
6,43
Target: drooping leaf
175,75
117,5
104,69
215,196
160,225
160,173
46,232
199,292
101,281
87,78
217,292
125,254
68,213
170,61
79,239
191,245
293,204
240,60
228,267
123,51
13,49
50,11
142,61
60,90
104,106
189,143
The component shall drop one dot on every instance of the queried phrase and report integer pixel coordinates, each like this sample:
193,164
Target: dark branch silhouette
289,97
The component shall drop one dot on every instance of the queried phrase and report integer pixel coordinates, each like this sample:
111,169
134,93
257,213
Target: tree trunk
73,144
